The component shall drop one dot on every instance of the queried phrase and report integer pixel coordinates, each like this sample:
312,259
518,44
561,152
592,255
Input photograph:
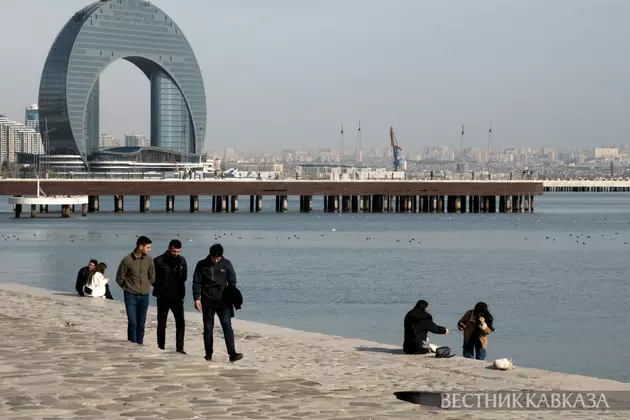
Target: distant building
17,138
106,141
605,152
32,117
135,140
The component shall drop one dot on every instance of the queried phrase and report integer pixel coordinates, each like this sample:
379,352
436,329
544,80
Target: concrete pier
339,196
119,205
145,203
194,203
93,203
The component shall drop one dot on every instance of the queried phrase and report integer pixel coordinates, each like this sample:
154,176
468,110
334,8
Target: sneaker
236,356
181,352
208,358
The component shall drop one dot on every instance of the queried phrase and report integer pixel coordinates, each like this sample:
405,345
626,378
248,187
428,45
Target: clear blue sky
284,74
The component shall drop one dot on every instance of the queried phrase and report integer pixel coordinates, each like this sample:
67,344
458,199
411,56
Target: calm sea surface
556,281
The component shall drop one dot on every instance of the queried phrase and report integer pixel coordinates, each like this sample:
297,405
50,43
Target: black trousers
177,307
225,319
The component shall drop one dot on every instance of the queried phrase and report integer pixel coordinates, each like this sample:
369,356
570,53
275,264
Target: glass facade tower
95,37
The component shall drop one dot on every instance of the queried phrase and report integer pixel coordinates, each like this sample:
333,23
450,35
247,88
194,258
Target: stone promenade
64,357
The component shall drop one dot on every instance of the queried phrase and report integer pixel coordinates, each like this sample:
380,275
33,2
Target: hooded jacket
210,279
418,323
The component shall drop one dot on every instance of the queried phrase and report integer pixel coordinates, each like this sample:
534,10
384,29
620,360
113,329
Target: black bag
87,290
443,352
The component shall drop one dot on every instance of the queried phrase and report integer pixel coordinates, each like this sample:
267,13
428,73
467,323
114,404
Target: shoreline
285,373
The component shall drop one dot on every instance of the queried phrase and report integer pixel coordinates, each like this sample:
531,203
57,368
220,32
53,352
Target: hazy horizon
286,74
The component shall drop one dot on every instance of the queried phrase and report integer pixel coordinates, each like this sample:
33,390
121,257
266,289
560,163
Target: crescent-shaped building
94,38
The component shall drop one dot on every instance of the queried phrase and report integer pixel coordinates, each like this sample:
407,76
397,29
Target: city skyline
287,75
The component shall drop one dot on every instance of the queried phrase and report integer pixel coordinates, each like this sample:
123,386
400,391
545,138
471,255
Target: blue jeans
474,350
137,306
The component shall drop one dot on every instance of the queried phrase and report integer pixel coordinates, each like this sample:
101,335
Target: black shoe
181,351
236,356
161,348
208,358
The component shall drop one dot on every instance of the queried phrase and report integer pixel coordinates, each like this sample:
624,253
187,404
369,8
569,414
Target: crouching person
418,323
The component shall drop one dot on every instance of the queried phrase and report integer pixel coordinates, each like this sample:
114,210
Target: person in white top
95,286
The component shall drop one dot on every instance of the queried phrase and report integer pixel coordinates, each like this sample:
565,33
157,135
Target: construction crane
398,160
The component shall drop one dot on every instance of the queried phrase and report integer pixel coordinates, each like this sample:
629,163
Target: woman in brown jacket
476,325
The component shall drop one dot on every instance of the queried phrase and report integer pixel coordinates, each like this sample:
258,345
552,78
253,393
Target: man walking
135,275
212,275
170,275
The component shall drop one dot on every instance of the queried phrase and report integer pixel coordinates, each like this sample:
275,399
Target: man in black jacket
212,275
418,323
170,275
82,278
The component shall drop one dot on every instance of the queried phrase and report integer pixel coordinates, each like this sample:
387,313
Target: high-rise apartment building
136,140
17,138
32,117
107,140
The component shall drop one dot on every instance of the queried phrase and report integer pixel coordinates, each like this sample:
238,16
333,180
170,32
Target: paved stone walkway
64,357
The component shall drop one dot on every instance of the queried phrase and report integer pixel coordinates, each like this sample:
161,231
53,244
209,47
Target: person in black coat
212,277
169,289
82,278
418,323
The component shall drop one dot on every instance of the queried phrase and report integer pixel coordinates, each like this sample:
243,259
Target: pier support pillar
93,203
259,204
508,204
346,204
531,204
462,200
224,203
33,211
119,204
441,204
501,204
84,211
355,204
252,204
65,211
526,203
170,203
414,204
476,204
194,203
234,204
326,204
145,203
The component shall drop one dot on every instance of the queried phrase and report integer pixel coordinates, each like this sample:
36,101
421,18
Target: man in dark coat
82,278
212,275
418,323
171,272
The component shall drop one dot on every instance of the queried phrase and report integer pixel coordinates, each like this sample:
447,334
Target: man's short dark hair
93,262
216,250
143,240
175,243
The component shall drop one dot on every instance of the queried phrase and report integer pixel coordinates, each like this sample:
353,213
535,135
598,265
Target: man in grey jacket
136,274
212,275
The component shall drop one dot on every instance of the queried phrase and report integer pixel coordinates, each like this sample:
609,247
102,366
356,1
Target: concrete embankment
64,357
